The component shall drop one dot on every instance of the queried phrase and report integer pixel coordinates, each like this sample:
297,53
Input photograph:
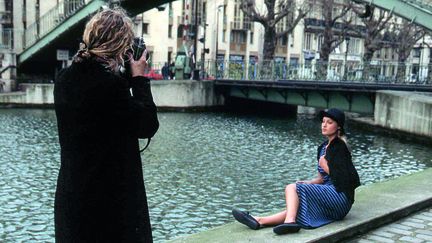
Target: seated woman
329,197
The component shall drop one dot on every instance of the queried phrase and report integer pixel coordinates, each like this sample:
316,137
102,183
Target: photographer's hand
138,67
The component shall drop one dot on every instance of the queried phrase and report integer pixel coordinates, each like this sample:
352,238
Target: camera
138,47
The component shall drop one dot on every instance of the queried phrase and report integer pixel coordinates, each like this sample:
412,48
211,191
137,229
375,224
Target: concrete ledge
375,205
369,124
183,94
405,111
169,95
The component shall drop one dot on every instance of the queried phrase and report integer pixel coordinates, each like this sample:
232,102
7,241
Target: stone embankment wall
170,94
184,94
405,111
30,94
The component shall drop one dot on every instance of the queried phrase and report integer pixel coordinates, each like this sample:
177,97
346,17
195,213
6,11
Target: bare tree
375,23
332,38
335,29
402,37
374,26
276,11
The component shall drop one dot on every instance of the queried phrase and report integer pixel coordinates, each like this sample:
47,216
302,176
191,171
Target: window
204,11
145,29
225,11
293,61
292,40
251,37
308,40
238,36
180,30
416,52
24,12
170,27
354,46
320,42
169,56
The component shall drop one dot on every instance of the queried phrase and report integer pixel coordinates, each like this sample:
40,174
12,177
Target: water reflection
197,168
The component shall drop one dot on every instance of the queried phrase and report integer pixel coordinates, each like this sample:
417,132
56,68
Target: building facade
236,39
207,30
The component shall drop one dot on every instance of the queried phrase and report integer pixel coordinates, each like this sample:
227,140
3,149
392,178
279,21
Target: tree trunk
401,68
367,58
325,51
401,72
429,76
268,53
270,43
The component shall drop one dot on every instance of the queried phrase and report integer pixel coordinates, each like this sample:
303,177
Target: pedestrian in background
165,71
172,70
100,195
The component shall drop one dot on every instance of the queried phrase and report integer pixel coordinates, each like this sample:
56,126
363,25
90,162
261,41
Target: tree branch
249,9
293,24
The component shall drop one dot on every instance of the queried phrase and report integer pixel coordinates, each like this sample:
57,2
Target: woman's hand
303,182
138,67
324,164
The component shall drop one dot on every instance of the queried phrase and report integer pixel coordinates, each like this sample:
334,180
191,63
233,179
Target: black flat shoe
246,219
286,228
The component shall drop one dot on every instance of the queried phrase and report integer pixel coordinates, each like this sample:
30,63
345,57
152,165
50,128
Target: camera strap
148,143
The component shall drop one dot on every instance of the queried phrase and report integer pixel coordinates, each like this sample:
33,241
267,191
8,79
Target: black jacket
342,171
100,195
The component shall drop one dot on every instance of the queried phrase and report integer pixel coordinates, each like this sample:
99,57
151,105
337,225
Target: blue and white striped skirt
320,204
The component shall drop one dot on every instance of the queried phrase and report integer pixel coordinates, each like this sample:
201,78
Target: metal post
217,39
347,39
203,52
195,41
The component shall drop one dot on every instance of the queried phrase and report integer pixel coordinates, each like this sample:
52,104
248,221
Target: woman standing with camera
100,194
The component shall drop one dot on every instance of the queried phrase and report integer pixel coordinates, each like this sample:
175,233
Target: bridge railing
51,19
374,72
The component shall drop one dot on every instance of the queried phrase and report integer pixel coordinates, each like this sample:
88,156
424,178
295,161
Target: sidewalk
414,228
376,205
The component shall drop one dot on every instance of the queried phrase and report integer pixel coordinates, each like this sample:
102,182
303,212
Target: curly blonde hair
107,36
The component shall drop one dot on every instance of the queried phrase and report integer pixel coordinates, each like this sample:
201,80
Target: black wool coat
100,195
342,171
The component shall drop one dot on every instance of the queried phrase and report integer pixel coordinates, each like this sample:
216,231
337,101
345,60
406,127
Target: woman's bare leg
274,219
292,203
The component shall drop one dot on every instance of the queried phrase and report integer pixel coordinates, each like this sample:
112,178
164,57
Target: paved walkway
375,205
414,228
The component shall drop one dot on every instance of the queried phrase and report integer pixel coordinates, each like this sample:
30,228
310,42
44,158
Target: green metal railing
374,72
425,5
51,19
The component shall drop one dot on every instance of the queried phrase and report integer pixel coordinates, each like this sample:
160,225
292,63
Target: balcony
281,49
238,47
241,24
319,24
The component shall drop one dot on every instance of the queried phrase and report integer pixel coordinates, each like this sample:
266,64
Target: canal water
198,166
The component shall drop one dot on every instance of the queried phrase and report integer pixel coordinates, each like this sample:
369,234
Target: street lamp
217,38
347,40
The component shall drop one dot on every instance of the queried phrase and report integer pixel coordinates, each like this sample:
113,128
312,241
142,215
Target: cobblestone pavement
414,228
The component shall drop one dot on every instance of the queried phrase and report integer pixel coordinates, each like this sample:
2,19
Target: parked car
154,74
